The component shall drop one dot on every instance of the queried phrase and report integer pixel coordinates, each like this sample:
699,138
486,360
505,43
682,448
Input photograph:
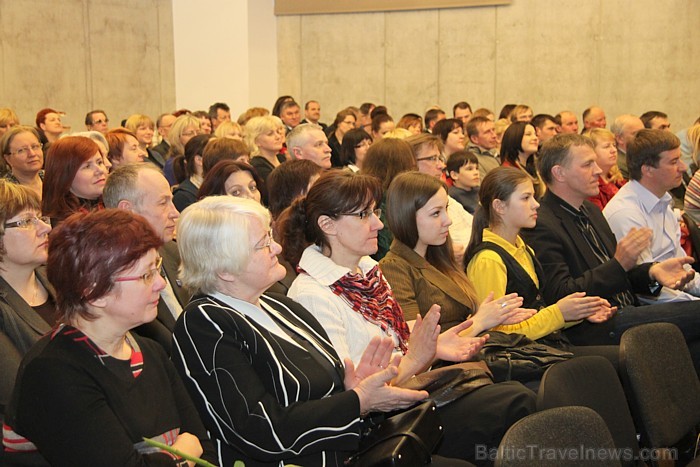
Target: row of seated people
328,234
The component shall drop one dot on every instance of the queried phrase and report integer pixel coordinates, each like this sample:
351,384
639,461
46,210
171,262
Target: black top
80,406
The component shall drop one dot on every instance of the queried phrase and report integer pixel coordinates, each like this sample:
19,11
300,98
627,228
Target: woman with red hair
74,178
89,392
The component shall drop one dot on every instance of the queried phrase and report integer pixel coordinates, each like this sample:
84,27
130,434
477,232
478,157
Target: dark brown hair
334,193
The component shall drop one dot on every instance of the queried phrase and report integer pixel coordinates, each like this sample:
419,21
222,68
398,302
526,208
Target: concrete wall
625,55
77,55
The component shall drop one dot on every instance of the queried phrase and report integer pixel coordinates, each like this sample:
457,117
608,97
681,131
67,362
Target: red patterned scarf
371,296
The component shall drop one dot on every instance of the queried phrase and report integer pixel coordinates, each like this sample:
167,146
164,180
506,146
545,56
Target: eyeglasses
146,277
28,222
267,241
431,158
100,122
25,150
189,134
364,214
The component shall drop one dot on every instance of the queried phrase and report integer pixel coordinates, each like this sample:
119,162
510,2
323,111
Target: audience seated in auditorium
655,120
204,121
312,114
579,253
330,234
411,122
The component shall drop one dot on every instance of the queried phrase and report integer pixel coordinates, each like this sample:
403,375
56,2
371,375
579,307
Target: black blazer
161,329
20,328
263,399
569,264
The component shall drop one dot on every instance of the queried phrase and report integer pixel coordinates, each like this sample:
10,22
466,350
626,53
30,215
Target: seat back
591,382
665,391
562,437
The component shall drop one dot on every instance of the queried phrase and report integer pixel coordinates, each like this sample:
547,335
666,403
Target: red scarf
371,296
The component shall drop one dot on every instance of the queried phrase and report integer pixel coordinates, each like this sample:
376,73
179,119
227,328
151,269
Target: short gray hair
95,136
298,136
213,236
122,184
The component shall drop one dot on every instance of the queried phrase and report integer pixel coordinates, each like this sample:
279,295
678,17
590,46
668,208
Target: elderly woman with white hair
261,370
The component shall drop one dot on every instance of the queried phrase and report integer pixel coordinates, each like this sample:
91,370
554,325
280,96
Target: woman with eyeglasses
74,179
89,392
330,234
27,303
23,158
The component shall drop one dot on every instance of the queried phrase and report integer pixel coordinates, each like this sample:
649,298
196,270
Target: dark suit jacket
417,285
161,148
161,329
569,263
20,328
156,157
322,125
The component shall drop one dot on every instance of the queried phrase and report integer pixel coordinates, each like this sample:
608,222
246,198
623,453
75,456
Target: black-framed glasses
28,222
364,214
146,277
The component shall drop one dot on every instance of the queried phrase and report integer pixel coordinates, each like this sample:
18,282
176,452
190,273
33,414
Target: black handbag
406,439
449,383
515,357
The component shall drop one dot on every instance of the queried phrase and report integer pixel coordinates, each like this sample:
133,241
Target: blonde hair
179,126
256,126
398,133
8,117
136,120
694,140
227,127
599,135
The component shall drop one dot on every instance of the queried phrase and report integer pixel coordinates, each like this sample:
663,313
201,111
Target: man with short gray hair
308,141
624,128
142,189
